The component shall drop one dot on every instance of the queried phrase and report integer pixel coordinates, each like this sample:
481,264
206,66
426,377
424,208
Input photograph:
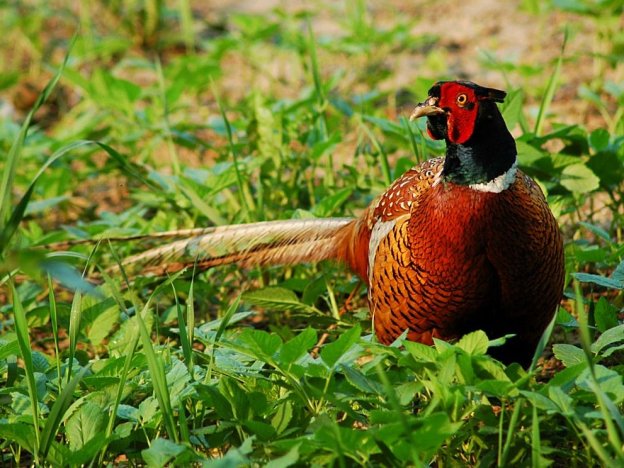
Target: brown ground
467,31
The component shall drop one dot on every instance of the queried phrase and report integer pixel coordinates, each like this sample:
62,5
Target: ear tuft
491,94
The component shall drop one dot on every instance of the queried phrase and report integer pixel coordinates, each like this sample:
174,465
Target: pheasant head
465,115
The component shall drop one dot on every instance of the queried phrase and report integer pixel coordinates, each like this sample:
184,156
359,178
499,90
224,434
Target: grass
156,118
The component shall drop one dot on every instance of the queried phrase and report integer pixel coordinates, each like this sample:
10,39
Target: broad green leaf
360,381
421,352
262,344
475,343
147,410
610,382
286,460
436,428
282,416
406,392
563,401
178,382
568,354
578,178
564,318
607,339
10,348
618,273
261,429
86,452
103,324
597,230
332,352
276,298
117,92
599,139
528,154
128,412
22,434
606,315
567,376
235,456
40,206
69,277
297,346
322,147
540,401
498,388
162,452
57,413
85,424
599,280
328,205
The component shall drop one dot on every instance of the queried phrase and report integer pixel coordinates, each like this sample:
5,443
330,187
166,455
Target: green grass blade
159,379
23,339
596,445
412,138
123,377
321,100
57,412
185,433
582,318
9,229
314,67
510,433
186,24
536,444
171,149
187,351
74,329
11,163
128,167
190,312
222,326
54,322
551,87
246,200
610,414
541,346
383,156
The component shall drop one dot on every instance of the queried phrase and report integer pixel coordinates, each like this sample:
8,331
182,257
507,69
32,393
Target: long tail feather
265,243
178,233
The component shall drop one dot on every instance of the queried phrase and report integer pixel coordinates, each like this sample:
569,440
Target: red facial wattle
461,106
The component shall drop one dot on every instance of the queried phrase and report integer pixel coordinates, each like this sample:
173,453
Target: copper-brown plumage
456,244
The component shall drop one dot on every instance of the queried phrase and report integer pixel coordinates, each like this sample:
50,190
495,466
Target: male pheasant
456,244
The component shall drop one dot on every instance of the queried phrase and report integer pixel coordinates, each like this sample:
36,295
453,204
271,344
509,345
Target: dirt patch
471,35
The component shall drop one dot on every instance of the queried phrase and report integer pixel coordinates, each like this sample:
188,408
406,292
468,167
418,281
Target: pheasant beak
427,108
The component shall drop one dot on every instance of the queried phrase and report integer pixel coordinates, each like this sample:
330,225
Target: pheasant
457,244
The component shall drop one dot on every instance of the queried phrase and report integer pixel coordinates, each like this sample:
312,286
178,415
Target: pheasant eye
461,100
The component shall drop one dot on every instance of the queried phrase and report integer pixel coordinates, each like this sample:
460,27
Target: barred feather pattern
264,243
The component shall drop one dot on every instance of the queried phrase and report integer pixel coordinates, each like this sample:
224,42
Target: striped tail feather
265,243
